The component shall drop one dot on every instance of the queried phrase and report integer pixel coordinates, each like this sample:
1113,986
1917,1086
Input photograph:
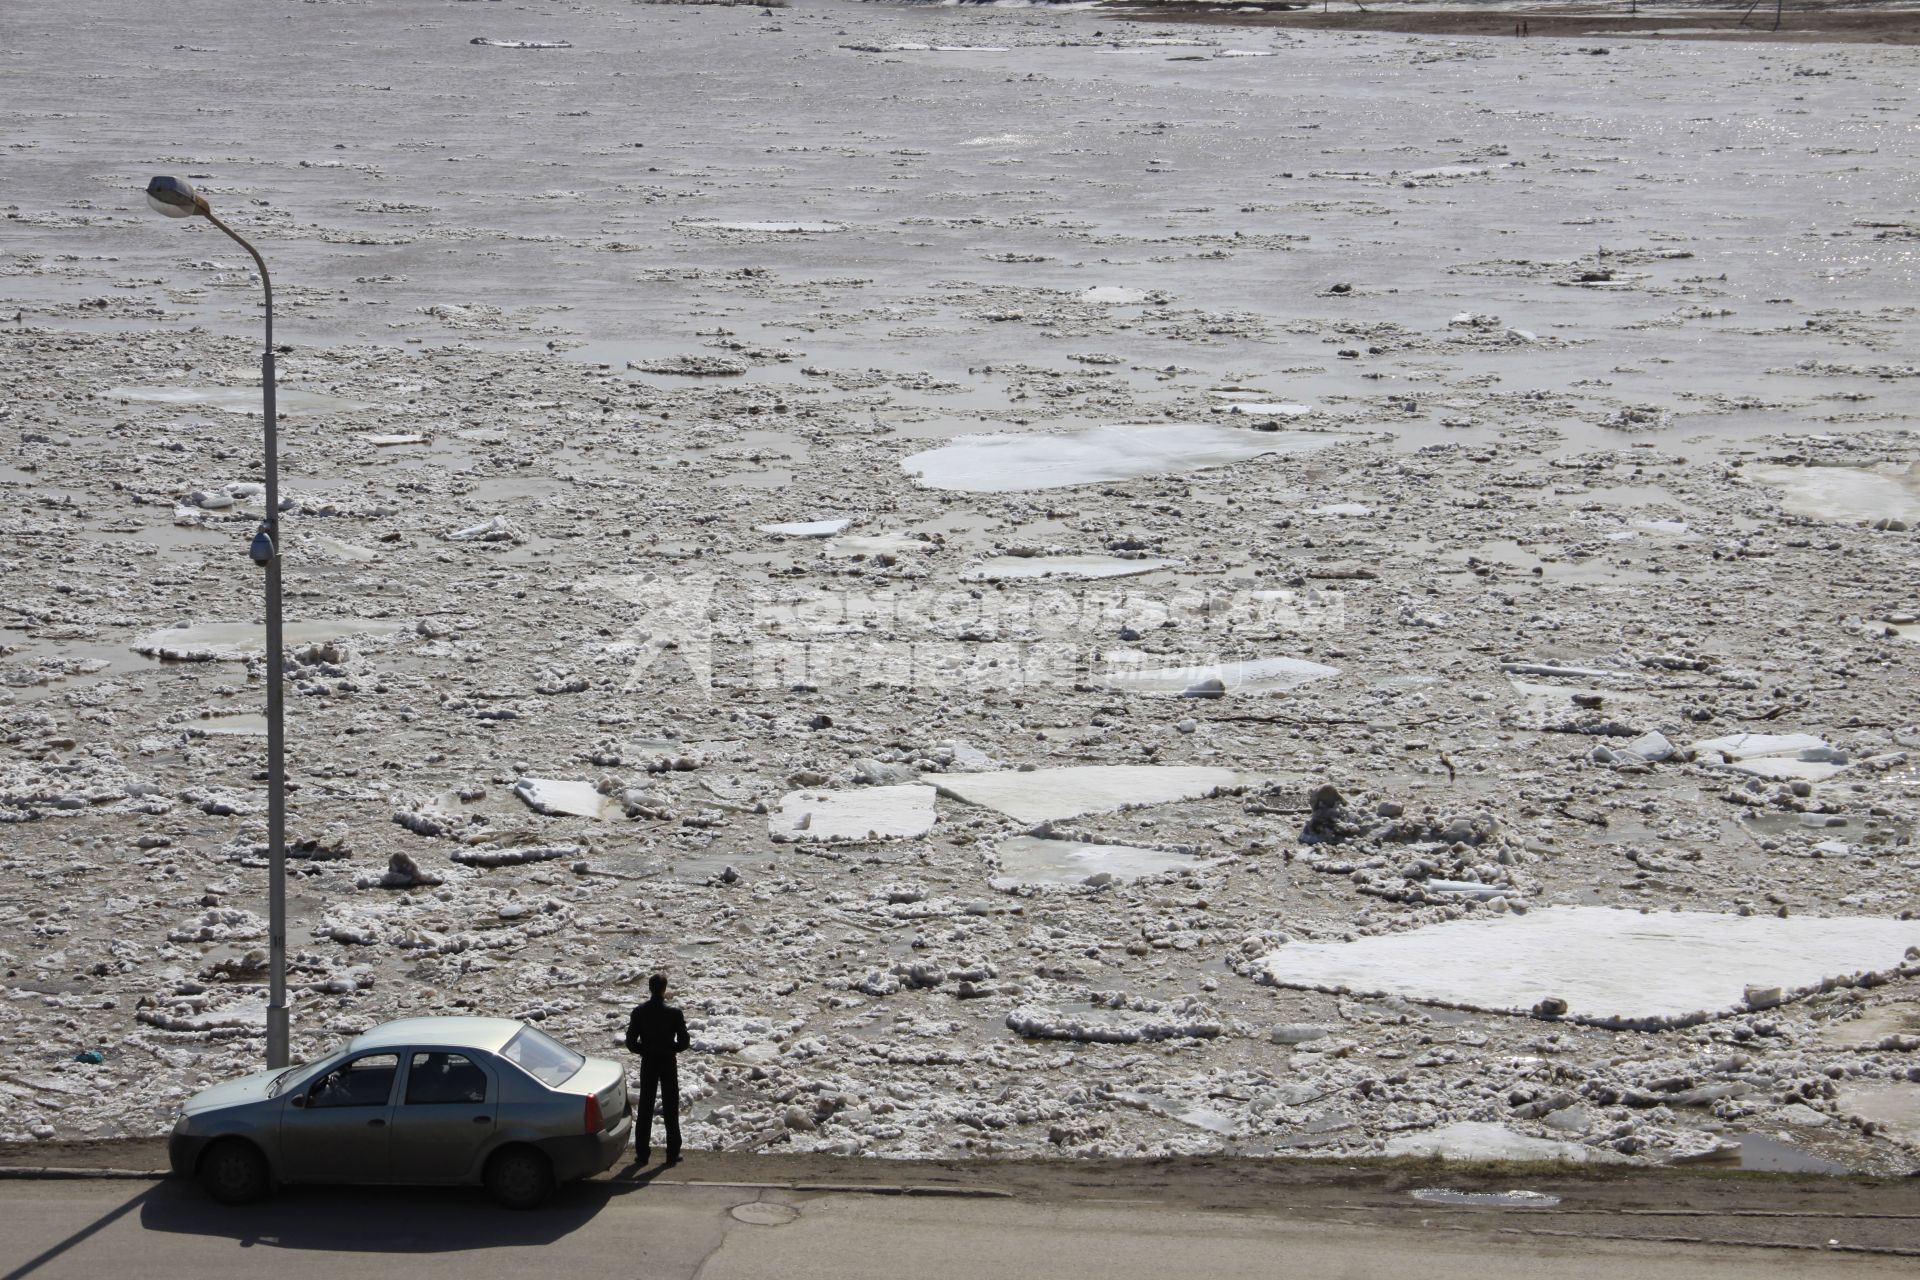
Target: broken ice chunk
1650,748
869,813
1612,968
1028,860
1261,675
1042,795
498,529
1773,755
1483,1140
1019,463
807,528
1002,568
877,544
560,798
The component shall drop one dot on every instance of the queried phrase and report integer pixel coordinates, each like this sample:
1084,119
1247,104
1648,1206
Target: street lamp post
178,199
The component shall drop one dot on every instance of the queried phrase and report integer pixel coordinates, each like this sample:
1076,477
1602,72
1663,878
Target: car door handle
483,1119
376,1124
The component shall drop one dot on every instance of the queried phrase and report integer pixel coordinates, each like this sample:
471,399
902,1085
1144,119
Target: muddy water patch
1758,1153
239,641
241,724
239,399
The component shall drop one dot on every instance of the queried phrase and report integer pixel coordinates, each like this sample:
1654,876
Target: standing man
657,1032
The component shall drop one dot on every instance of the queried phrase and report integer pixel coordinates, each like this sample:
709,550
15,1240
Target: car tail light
593,1113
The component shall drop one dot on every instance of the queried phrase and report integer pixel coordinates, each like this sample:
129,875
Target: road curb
64,1173
61,1173
836,1188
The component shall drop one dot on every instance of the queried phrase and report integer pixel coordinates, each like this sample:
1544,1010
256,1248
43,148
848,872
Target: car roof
471,1033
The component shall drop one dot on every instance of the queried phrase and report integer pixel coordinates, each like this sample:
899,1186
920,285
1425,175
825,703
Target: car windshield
280,1081
542,1057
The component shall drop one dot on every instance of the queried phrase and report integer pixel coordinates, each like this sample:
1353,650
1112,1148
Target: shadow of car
370,1220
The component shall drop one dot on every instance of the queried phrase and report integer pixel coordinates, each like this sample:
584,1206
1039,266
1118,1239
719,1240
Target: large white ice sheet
1042,795
1261,675
1612,967
864,813
1016,464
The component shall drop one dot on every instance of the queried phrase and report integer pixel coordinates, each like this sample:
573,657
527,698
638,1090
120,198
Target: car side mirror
297,1100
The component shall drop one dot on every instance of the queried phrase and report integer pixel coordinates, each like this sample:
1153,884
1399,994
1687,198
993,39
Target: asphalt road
89,1229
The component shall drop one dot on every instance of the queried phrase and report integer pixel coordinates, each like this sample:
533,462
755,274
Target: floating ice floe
388,441
1611,968
1184,1019
1186,1111
239,399
1005,568
1486,1199
1019,463
915,47
562,798
1114,294
866,813
1341,509
1888,492
1480,1140
877,544
520,44
489,856
1260,675
1892,1107
1447,171
241,724
239,641
498,529
807,528
1522,668
1648,748
1030,860
343,550
1276,409
1773,755
1042,795
766,228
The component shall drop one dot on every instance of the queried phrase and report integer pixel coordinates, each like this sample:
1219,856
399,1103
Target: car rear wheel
234,1172
519,1178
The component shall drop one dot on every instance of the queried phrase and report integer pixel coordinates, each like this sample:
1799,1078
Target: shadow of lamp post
178,199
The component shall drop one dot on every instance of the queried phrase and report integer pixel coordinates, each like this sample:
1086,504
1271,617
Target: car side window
366,1081
439,1077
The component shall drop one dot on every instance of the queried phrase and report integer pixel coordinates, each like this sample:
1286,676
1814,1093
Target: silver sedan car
423,1100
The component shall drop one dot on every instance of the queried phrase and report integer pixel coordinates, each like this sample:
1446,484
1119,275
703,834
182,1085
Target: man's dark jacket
656,1032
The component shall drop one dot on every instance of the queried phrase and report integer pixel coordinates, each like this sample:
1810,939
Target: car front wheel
519,1178
234,1172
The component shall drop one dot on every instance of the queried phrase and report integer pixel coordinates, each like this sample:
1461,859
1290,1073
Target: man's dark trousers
656,1032
662,1075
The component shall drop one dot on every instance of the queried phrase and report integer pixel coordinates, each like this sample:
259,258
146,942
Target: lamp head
175,197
